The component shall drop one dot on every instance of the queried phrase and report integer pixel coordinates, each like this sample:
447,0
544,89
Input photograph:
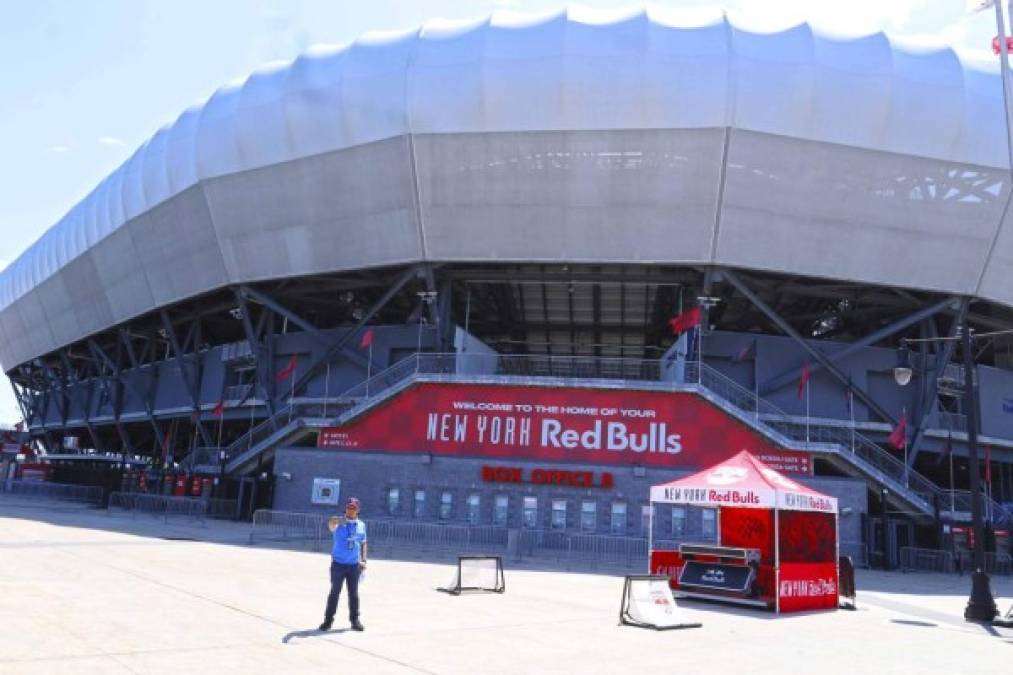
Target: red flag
287,371
367,339
747,352
898,437
685,321
804,379
219,409
988,464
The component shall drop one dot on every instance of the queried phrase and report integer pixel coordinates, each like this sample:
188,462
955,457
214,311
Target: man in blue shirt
348,560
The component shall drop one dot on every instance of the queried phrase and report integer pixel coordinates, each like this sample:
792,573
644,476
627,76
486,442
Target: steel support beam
340,343
789,376
122,381
192,388
818,356
315,333
943,357
255,347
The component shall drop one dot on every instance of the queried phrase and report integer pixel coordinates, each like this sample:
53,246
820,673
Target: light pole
981,603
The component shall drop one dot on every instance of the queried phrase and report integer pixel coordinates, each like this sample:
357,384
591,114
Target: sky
85,83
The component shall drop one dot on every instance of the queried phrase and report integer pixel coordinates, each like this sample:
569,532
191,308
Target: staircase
842,446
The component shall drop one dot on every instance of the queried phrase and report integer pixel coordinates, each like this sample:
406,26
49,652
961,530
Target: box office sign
600,426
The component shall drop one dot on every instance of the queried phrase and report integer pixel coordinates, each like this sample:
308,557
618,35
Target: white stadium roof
573,71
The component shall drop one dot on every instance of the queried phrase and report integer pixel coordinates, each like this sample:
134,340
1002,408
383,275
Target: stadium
516,271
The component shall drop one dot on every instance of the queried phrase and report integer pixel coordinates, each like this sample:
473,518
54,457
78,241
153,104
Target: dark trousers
339,575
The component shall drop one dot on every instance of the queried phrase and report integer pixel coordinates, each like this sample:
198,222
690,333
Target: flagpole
291,394
851,407
327,387
953,503
369,367
903,416
807,413
756,388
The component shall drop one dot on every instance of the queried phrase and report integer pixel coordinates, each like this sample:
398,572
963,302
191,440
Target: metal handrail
845,442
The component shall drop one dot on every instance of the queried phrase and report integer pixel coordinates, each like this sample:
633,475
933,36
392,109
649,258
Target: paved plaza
82,591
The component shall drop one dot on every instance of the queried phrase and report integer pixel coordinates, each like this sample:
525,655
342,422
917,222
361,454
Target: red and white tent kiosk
777,539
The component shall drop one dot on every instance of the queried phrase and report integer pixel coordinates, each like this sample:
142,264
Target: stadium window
618,517
530,514
645,519
588,516
678,521
474,508
446,505
558,521
709,525
393,501
501,510
419,510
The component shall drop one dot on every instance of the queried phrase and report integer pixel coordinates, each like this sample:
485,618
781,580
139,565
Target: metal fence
593,549
76,493
160,505
995,563
271,525
925,560
437,536
222,509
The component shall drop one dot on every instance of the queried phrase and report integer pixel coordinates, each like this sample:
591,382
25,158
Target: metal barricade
269,525
159,505
76,493
925,560
437,536
222,509
995,563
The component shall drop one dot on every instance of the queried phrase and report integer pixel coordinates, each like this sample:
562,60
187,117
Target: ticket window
558,521
588,516
419,507
446,505
530,512
393,501
618,524
678,522
474,509
709,524
500,511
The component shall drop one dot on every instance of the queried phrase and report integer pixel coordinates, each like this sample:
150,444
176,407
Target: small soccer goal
648,603
477,573
1005,621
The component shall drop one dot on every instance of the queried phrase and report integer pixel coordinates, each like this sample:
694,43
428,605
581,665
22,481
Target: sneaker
326,625
358,626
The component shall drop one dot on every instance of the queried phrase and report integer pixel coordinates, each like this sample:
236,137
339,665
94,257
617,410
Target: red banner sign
805,586
598,426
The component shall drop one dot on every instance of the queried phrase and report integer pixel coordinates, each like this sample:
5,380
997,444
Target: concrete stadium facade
555,185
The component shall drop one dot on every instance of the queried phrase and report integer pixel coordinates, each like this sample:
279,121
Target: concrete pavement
85,592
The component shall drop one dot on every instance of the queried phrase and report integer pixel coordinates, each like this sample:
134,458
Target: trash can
846,582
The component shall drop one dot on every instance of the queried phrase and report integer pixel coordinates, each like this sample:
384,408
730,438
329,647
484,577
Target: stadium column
943,357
